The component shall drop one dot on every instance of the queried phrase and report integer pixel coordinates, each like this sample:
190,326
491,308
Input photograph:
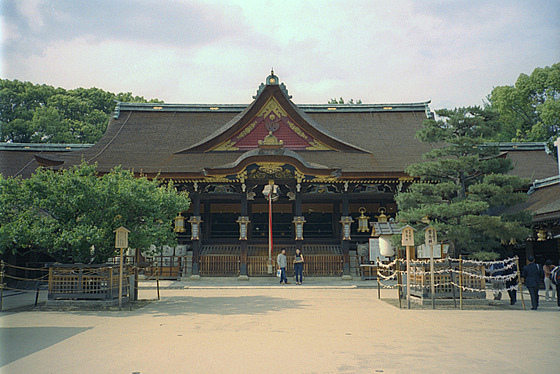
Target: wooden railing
257,266
219,265
166,267
421,286
322,265
314,265
85,282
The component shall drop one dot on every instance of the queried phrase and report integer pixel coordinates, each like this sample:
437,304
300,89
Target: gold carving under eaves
297,130
270,141
270,170
242,176
226,146
247,130
324,179
272,106
318,146
217,179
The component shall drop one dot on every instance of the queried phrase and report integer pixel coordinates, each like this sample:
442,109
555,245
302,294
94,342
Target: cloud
178,24
219,51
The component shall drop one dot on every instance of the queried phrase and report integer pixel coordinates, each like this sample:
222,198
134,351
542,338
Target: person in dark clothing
512,292
532,274
298,266
556,276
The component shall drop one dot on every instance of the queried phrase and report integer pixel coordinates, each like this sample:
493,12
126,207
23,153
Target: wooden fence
219,265
85,282
314,265
321,265
166,267
421,285
257,266
225,260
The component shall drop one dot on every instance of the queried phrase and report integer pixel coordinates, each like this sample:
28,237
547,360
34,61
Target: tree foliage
530,109
341,101
65,213
43,114
462,182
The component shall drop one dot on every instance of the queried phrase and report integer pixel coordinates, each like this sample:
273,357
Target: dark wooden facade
327,161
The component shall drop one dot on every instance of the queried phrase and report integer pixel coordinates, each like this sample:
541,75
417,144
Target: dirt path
291,330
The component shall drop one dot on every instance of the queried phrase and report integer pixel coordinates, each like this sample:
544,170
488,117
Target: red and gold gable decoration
271,119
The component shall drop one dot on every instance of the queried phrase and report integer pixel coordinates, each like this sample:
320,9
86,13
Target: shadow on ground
18,342
223,305
181,305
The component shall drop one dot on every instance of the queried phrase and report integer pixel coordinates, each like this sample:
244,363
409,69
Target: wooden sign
431,235
121,237
407,236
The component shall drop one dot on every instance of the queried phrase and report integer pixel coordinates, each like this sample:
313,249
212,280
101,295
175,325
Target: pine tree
462,182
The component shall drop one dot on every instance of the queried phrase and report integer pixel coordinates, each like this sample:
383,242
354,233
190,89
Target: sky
219,51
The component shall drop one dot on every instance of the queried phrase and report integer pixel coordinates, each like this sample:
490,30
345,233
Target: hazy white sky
219,51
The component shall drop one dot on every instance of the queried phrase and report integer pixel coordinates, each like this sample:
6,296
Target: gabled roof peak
272,80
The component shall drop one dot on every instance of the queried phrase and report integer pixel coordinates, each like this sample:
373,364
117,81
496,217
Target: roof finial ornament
272,80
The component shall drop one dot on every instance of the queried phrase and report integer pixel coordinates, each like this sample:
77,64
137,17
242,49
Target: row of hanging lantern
243,221
298,222
195,222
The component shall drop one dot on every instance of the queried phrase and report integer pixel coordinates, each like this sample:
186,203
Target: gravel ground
290,329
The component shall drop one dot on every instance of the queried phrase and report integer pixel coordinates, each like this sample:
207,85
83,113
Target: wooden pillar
297,213
195,198
243,243
345,243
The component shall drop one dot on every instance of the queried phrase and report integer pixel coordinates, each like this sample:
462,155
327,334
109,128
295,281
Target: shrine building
320,173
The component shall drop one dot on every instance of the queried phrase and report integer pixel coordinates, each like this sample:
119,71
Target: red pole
270,226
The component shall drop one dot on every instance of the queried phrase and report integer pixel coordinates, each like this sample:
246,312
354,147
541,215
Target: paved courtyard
289,329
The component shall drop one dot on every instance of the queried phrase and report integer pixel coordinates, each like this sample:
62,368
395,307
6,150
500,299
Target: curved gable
272,113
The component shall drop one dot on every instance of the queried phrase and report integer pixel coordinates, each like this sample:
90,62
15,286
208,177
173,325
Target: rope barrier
25,268
26,279
22,289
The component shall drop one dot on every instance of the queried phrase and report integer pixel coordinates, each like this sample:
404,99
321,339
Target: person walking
532,274
282,264
548,285
555,278
298,266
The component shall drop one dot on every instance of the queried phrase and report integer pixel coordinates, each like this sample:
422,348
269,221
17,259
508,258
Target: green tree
65,213
341,101
530,109
128,97
462,182
43,114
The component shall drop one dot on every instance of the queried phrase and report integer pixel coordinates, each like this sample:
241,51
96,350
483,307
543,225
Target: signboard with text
121,237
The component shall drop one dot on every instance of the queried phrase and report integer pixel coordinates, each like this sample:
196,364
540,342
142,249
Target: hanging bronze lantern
362,220
243,223
298,222
179,223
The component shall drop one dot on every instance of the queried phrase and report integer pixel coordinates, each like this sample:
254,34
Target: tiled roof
386,228
372,139
543,200
169,138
